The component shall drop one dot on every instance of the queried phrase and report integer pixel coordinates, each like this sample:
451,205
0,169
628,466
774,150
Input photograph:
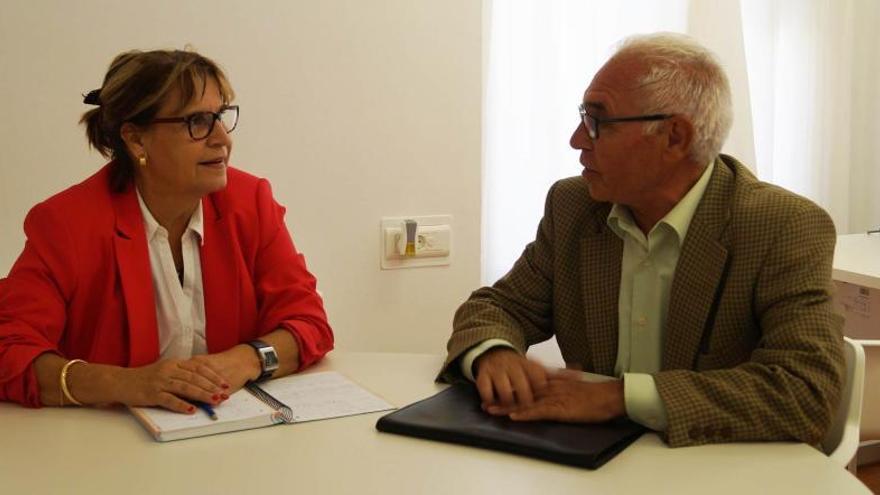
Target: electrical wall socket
433,242
430,241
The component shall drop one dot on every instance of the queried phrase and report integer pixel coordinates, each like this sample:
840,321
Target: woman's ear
680,137
133,138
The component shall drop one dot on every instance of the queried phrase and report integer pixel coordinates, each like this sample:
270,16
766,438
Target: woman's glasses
201,124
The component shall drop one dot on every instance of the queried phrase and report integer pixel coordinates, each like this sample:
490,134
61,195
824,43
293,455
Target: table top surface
98,451
857,259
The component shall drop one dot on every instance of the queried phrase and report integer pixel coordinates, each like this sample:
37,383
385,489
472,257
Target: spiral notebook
292,399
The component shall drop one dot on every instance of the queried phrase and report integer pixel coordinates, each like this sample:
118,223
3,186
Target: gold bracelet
63,379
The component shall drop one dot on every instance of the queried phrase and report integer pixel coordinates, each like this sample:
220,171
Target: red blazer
83,288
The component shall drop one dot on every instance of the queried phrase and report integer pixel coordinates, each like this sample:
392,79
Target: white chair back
842,440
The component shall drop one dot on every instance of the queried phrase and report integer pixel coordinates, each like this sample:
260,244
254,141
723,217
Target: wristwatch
268,358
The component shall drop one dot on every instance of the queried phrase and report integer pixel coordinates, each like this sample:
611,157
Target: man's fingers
537,376
484,387
499,410
522,390
507,380
503,389
566,374
549,408
538,411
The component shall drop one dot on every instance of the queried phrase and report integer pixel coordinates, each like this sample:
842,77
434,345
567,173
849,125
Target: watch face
270,359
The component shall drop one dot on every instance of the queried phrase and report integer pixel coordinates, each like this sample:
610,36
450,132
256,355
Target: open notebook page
241,411
323,395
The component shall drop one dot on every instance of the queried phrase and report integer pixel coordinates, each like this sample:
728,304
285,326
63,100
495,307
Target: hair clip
93,97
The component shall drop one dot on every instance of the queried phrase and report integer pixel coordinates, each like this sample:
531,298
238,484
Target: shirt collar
620,219
679,218
195,225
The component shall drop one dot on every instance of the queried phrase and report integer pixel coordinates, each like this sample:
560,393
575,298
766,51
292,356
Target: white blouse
180,308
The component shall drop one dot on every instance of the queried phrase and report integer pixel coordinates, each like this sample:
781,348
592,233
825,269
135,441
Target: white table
857,260
107,451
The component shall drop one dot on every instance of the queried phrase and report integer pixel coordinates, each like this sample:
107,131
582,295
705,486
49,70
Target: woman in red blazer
85,312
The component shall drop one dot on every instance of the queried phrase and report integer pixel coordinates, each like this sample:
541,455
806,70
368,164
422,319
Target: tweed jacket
752,347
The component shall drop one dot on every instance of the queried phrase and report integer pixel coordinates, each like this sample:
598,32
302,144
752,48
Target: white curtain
804,75
814,77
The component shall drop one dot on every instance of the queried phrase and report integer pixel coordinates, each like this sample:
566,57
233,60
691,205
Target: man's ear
680,137
133,138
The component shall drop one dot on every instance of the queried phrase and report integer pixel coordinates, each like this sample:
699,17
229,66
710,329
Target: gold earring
142,160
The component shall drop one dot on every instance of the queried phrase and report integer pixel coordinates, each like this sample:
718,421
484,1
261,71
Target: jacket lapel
133,262
601,254
699,273
220,275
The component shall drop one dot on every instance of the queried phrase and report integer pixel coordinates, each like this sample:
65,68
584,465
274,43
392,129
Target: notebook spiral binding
267,398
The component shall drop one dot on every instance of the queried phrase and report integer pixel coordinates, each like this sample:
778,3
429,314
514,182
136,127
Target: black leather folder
454,415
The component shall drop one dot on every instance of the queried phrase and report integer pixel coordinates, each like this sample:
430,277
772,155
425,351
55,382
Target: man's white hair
683,77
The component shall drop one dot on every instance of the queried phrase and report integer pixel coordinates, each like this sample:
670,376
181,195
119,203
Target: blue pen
205,407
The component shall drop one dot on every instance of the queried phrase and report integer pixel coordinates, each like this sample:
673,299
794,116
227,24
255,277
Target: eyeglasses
201,124
591,123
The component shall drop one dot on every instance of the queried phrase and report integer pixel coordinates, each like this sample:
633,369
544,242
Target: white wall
354,110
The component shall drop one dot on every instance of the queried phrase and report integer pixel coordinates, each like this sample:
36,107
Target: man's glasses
201,124
591,123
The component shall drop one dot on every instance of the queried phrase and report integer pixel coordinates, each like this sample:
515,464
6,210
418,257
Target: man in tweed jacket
669,266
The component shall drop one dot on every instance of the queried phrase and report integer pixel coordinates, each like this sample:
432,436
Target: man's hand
568,399
507,380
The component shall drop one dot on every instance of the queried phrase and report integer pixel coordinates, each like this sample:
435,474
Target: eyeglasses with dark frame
201,124
591,123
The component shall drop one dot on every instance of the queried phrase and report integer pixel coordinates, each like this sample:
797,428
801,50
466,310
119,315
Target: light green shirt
646,274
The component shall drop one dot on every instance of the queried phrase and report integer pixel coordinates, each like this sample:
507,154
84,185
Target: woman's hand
210,378
237,365
170,383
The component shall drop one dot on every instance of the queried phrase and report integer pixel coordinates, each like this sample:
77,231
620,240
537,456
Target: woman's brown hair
135,86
